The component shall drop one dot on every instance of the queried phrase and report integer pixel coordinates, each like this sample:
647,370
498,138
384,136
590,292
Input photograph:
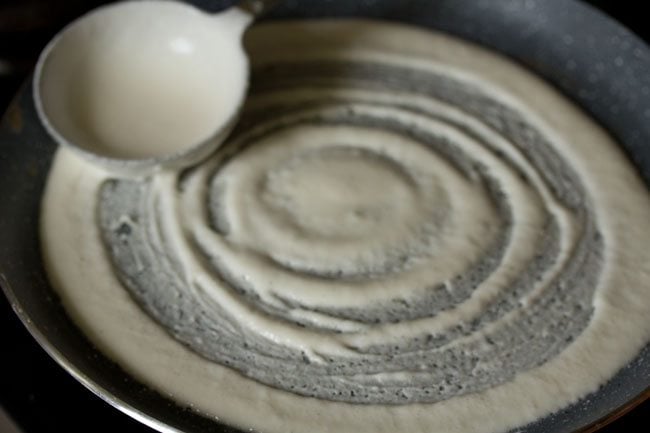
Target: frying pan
535,33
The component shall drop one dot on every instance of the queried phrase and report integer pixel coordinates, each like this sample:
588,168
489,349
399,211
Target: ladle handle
257,8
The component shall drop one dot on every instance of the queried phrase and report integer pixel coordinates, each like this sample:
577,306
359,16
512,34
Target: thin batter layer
381,229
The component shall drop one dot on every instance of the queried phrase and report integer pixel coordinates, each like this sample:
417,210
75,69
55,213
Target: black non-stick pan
529,31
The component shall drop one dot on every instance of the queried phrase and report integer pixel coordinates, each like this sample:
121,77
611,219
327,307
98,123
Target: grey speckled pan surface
593,60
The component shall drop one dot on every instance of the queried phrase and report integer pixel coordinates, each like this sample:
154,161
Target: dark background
38,394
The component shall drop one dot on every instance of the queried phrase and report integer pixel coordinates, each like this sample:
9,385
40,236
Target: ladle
143,85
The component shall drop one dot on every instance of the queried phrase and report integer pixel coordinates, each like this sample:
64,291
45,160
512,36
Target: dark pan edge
621,411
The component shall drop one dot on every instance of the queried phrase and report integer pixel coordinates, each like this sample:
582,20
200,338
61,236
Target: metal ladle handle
256,8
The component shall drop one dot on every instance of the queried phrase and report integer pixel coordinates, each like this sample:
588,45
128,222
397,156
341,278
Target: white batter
81,272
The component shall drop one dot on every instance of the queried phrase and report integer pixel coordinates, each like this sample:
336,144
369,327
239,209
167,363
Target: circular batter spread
405,233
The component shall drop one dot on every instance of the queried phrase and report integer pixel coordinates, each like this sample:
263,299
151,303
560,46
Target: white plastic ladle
141,85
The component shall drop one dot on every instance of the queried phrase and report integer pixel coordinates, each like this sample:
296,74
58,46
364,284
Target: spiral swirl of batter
375,231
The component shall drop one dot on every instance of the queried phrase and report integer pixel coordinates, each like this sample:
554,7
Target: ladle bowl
143,85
